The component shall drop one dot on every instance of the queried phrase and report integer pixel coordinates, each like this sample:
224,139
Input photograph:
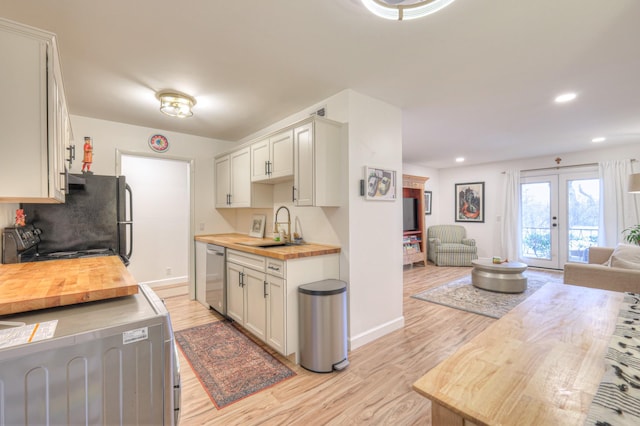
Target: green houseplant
633,235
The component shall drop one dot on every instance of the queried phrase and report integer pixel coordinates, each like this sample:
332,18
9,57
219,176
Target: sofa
608,269
449,246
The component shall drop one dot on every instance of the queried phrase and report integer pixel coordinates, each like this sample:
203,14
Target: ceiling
476,79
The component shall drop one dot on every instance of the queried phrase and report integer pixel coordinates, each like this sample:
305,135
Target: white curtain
510,230
619,209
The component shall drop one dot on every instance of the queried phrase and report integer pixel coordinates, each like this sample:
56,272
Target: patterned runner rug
461,294
228,364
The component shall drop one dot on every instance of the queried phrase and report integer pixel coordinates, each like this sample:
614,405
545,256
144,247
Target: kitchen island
540,364
39,285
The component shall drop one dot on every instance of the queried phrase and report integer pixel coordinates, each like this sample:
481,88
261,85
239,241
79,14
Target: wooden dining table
540,364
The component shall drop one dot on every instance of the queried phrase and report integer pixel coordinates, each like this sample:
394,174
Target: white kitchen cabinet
35,125
233,182
262,293
246,291
319,153
235,293
272,158
276,313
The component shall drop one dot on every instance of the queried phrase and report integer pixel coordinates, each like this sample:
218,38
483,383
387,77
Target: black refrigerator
97,215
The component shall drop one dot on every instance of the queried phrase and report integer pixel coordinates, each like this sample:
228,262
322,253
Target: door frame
561,235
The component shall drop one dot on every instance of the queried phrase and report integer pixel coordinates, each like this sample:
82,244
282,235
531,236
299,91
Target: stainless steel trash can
322,311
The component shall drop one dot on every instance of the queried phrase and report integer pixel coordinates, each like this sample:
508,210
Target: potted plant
633,235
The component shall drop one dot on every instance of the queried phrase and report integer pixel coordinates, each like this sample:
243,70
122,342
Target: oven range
20,244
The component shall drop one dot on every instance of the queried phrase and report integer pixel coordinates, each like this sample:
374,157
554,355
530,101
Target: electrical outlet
168,271
201,226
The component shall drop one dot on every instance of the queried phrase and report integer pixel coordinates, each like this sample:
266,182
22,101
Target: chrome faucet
287,237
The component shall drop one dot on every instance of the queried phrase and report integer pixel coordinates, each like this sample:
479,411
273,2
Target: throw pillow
624,264
627,255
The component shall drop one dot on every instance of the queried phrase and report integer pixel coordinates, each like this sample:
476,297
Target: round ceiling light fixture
400,10
176,104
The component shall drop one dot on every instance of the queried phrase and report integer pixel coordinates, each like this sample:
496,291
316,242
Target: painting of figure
470,202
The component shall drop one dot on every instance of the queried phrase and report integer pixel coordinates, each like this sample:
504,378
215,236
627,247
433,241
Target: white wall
487,233
368,232
109,137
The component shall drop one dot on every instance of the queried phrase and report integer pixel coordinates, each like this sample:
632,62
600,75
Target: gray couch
597,275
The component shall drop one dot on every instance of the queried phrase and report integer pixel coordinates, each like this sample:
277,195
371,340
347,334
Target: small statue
20,217
88,154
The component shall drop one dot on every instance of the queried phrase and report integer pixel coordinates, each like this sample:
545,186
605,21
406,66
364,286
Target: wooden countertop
539,364
39,285
233,241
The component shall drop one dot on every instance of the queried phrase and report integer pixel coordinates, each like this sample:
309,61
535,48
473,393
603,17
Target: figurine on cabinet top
87,159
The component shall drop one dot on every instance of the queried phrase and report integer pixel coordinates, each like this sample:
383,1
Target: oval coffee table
501,277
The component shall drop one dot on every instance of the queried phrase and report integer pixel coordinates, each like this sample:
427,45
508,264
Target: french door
559,218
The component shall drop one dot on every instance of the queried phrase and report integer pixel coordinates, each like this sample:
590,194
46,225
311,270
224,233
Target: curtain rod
563,167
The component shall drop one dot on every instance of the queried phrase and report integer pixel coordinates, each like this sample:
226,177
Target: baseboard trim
167,281
375,333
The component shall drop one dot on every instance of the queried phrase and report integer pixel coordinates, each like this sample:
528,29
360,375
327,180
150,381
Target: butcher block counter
39,285
540,364
249,245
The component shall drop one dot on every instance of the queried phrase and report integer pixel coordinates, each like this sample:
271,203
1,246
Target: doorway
559,217
161,216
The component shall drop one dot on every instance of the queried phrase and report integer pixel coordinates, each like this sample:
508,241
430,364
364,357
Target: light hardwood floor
374,389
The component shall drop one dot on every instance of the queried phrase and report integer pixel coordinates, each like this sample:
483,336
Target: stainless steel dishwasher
216,287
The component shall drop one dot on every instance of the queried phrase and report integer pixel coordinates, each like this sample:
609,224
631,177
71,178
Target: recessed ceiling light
598,139
565,97
460,160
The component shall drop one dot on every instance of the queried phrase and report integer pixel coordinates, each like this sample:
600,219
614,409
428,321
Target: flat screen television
409,214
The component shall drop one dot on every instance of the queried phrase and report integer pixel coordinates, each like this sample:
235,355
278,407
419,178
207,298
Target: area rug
461,294
228,364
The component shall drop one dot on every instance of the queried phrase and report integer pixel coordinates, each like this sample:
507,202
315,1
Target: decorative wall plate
158,143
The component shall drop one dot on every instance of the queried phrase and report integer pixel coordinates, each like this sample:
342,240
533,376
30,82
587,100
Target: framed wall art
380,184
427,202
257,225
469,202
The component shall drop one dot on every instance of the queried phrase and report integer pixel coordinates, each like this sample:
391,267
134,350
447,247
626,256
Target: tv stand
414,243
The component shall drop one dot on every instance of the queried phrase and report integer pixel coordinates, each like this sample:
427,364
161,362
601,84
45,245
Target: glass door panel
538,209
583,213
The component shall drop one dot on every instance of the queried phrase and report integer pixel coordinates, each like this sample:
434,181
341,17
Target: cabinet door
235,293
222,187
256,306
56,141
304,166
281,154
260,161
240,178
23,120
276,313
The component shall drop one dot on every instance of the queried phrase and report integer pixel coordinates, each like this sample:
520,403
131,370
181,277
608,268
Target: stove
20,245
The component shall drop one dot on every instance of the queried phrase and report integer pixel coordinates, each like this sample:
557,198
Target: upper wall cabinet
318,160
233,182
35,132
272,158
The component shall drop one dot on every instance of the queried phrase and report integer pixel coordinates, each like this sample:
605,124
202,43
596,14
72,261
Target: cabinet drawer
249,260
276,268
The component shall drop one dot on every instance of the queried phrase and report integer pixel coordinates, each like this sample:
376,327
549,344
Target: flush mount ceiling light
404,9
565,97
176,104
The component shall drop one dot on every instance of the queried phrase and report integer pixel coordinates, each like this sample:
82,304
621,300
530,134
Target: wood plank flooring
375,388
